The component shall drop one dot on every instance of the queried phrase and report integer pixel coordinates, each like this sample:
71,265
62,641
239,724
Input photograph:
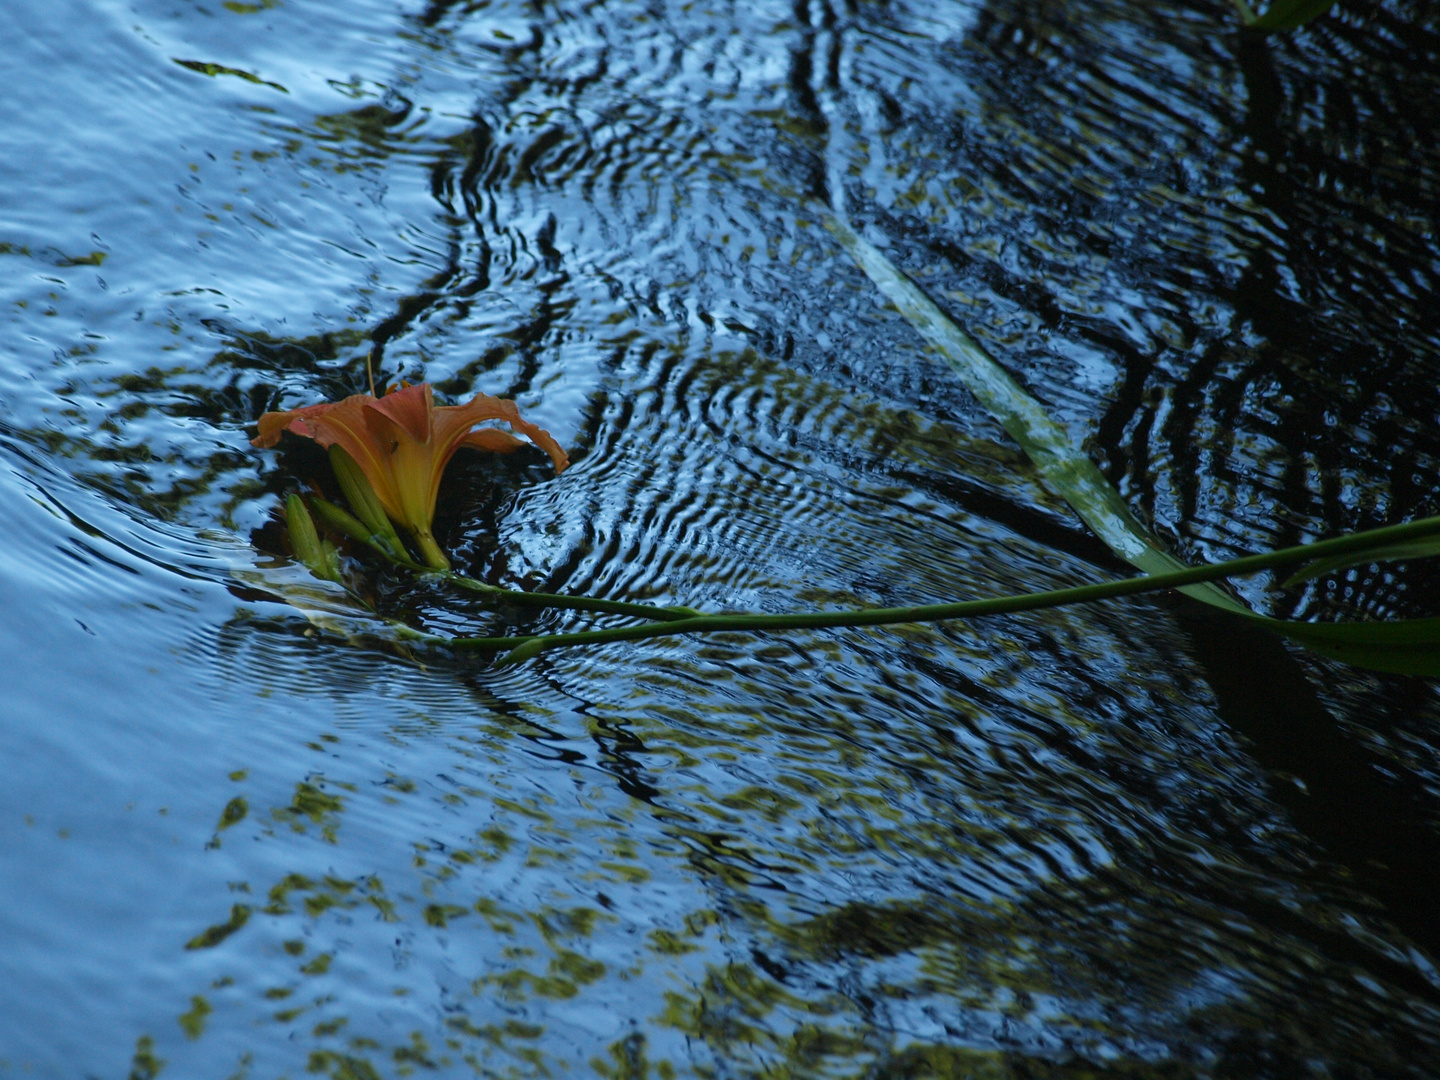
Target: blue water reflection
246,832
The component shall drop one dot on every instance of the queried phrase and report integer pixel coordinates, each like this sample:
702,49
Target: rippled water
1132,840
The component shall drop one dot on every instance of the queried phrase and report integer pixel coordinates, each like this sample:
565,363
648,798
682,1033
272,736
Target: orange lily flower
402,443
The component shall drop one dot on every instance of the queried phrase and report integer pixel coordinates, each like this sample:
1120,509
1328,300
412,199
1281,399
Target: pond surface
1138,840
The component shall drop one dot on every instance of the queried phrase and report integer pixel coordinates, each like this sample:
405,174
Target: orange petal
410,407
492,439
402,441
273,423
348,424
483,407
411,467
543,439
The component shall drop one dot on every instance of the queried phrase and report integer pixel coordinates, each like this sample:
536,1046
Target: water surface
1130,840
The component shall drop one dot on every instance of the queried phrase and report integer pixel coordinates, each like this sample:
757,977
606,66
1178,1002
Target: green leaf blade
1409,647
1406,647
1404,552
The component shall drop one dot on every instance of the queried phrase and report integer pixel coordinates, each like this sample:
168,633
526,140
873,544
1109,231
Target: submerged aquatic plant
401,443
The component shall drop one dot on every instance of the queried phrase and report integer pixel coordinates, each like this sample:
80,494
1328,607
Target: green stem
356,530
430,550
574,603
753,622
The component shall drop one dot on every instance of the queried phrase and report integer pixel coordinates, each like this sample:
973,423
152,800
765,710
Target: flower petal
484,407
273,423
411,468
411,407
402,442
347,424
492,439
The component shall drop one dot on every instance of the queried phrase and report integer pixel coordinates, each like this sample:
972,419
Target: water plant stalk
347,524
524,647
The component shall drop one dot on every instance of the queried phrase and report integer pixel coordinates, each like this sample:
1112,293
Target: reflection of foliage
359,139
812,993
743,841
235,812
312,803
540,954
145,1065
320,895
205,68
193,1022
214,935
376,128
134,435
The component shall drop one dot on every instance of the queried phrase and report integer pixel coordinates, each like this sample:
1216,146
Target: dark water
1128,841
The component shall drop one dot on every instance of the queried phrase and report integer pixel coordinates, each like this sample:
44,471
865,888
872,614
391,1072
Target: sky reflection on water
1124,840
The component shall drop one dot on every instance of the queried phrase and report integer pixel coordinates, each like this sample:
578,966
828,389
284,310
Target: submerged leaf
1410,647
1061,462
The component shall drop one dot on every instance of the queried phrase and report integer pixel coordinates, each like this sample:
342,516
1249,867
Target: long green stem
351,526
574,603
526,647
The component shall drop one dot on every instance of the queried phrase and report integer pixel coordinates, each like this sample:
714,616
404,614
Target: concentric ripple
252,829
